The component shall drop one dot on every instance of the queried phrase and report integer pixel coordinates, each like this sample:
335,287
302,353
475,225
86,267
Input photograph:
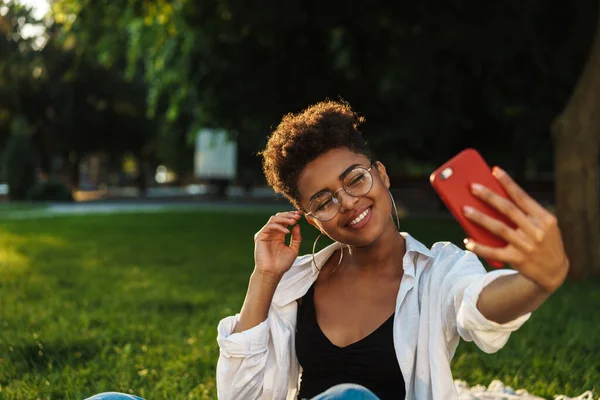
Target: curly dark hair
300,138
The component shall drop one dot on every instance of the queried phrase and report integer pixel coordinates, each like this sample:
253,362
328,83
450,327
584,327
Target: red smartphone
452,182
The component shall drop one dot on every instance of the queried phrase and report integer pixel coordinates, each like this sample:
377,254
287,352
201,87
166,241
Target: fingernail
468,244
468,210
498,172
476,187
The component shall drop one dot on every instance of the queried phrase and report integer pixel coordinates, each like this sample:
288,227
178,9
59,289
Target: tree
76,104
577,158
18,161
431,77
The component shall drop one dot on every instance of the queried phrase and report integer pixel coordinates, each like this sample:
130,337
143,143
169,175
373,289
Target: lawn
12,211
130,303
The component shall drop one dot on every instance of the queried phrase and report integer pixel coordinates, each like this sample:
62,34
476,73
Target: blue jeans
346,391
114,396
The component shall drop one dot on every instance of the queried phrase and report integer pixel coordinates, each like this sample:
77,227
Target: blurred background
121,99
141,102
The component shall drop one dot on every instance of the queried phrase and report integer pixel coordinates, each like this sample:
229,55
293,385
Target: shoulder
295,282
304,271
449,258
301,263
447,251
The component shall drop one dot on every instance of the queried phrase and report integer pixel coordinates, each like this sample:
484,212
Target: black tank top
370,362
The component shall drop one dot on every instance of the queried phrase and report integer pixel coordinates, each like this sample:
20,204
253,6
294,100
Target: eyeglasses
358,182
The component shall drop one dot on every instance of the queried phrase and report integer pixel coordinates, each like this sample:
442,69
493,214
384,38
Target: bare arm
258,300
509,297
535,249
273,258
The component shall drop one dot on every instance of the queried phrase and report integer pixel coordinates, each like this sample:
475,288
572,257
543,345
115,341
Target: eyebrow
341,178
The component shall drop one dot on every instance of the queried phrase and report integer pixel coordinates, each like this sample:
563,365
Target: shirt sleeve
463,284
242,360
259,363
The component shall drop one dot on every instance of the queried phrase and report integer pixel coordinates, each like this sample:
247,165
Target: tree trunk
142,177
74,173
576,134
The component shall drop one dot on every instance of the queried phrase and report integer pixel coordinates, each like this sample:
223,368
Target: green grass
8,210
130,303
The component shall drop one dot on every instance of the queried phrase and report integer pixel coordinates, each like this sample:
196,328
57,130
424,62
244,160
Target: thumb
296,238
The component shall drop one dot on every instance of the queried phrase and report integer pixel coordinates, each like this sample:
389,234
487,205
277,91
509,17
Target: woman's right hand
272,256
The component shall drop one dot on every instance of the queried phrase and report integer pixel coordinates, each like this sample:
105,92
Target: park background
118,257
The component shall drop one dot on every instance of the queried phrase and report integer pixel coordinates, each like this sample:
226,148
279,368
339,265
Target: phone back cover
469,167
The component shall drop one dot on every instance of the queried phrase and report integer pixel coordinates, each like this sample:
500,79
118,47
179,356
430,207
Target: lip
356,214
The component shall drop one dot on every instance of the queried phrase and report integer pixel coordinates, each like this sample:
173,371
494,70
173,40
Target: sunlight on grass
12,264
18,256
130,303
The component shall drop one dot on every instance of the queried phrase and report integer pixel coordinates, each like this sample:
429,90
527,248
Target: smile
360,217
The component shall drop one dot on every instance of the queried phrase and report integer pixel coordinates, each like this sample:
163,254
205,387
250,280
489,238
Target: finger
503,254
277,227
271,228
518,195
296,239
514,237
505,207
495,226
283,220
289,214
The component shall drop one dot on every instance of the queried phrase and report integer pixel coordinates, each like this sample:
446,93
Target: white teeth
360,217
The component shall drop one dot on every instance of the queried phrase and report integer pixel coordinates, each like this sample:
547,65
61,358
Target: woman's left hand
535,246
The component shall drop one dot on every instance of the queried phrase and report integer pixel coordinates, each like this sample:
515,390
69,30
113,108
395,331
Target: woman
376,314
376,308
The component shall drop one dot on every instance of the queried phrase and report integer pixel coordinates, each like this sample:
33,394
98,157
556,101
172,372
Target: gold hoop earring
314,263
396,210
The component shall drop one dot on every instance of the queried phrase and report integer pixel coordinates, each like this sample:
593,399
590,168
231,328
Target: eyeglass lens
357,183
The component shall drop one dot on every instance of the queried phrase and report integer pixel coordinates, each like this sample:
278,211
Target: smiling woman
377,314
377,308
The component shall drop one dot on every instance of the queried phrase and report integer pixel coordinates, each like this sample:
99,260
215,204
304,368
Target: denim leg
347,391
114,396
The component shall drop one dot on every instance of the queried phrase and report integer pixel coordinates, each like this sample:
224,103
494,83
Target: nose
345,200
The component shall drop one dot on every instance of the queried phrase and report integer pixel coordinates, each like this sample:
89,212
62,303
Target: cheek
380,192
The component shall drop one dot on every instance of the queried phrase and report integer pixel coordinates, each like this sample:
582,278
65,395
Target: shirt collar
297,283
413,247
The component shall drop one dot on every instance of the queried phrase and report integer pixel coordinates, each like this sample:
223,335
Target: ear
382,173
313,222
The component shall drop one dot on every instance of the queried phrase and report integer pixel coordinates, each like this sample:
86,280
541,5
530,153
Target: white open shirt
436,306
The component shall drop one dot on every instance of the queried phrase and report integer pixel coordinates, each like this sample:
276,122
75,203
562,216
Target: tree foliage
76,104
431,77
18,161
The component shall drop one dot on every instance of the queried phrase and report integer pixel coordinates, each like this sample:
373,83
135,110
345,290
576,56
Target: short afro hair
300,138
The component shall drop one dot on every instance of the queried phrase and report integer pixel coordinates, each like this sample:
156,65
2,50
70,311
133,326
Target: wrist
266,277
542,286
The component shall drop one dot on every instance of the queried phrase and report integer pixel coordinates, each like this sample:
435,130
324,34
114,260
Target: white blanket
497,391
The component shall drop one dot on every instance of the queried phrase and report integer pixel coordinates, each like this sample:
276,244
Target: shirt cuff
242,344
472,325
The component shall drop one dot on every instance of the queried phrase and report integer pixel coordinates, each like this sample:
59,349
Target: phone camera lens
446,173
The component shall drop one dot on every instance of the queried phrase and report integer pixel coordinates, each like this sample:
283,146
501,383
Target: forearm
255,309
510,297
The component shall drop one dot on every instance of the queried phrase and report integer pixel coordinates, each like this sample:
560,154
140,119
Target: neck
386,252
